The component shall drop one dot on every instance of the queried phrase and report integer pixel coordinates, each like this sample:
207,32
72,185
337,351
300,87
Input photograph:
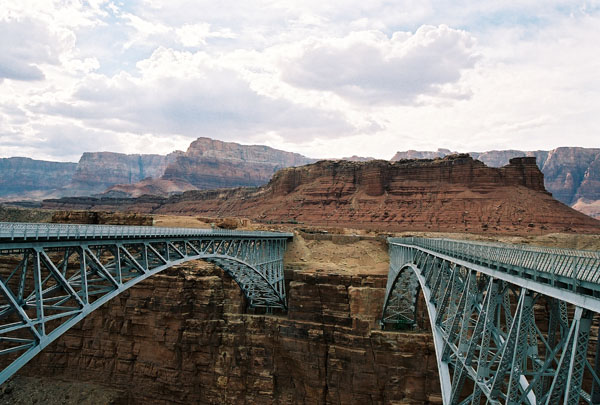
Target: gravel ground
49,391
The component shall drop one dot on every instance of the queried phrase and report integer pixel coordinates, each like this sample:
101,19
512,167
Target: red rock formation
456,193
97,171
570,173
209,163
591,208
156,187
589,189
181,337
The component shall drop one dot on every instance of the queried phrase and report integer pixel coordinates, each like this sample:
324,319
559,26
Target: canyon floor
184,336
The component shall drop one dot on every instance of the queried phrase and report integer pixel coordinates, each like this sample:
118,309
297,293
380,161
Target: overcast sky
322,78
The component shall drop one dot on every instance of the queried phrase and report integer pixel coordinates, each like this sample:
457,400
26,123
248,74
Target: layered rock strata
209,163
455,193
99,170
572,174
181,337
20,175
101,218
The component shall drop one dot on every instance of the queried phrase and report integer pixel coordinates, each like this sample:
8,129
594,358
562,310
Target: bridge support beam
52,276
493,338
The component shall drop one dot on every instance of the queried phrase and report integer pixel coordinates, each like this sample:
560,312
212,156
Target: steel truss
53,276
510,324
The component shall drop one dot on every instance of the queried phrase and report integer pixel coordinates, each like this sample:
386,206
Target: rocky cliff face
498,158
99,170
571,174
420,154
378,177
206,164
182,337
19,175
154,187
456,193
209,163
25,178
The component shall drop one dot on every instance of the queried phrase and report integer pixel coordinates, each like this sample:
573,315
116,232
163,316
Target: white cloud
368,67
322,78
66,141
26,44
191,94
194,35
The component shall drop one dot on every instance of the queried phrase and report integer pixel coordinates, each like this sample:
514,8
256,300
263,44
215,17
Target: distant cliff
24,178
456,193
571,174
19,175
99,170
209,163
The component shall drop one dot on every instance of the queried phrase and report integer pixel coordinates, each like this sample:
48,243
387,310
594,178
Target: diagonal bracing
511,325
52,276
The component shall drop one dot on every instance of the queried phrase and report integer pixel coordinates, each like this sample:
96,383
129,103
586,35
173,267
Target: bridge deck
15,231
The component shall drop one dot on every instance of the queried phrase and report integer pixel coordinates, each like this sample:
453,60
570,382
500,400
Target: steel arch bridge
510,324
53,275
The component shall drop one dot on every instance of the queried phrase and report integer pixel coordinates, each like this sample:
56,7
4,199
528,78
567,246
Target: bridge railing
578,265
28,231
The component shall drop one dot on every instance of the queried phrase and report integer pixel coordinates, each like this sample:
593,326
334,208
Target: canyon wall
572,174
209,163
24,178
182,337
99,170
456,194
20,175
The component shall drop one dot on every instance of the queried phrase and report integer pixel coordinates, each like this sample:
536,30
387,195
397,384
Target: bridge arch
53,276
510,324
400,309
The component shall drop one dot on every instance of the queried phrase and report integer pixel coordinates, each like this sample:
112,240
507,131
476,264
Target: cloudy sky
323,78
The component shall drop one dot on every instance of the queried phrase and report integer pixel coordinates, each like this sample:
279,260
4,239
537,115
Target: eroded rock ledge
455,194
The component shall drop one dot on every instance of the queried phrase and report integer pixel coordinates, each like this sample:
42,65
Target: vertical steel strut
511,325
52,276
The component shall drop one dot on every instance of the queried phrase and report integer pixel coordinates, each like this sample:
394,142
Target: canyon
184,336
571,174
452,194
207,163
